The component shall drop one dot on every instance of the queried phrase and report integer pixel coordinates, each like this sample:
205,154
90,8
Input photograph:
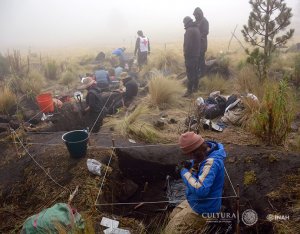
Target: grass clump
167,61
213,83
51,70
249,177
135,126
273,119
7,100
4,66
33,84
163,91
248,82
68,78
296,72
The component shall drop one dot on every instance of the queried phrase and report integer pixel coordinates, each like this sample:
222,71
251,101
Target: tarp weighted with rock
53,220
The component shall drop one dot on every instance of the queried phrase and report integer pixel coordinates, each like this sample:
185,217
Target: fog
57,23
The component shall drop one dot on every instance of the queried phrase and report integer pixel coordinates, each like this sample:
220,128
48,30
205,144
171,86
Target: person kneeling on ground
124,97
203,176
95,110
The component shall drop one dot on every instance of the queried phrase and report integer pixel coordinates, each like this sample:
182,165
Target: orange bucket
45,102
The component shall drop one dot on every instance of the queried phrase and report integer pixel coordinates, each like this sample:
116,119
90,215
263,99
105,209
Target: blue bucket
76,142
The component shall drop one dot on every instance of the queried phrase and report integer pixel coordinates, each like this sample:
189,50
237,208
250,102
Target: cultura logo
249,217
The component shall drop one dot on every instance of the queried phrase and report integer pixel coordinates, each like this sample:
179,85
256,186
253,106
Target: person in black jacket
95,110
203,27
191,50
124,96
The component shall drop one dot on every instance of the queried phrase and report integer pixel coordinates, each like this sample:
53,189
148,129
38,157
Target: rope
166,201
230,182
20,141
100,189
100,113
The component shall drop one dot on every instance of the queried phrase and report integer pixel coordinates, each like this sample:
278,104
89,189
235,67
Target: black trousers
202,66
192,67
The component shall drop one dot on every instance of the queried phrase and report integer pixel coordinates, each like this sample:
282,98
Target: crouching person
95,111
203,175
124,96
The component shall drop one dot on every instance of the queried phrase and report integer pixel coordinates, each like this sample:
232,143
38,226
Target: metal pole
238,210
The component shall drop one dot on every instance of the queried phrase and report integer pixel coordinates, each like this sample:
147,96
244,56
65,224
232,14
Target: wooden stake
73,195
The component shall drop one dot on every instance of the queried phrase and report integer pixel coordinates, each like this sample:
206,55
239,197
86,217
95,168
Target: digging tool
78,98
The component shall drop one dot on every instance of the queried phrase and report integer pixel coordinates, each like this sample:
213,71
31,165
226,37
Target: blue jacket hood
216,151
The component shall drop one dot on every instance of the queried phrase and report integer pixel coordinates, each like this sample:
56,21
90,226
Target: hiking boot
187,94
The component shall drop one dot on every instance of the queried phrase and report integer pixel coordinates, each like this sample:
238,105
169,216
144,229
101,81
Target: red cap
190,141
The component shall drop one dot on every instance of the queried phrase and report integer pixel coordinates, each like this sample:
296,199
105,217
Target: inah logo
249,217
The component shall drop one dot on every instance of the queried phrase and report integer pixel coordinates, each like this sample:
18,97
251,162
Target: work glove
184,166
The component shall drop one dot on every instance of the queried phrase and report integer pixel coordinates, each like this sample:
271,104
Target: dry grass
247,82
51,70
167,61
68,78
7,100
212,83
164,91
137,126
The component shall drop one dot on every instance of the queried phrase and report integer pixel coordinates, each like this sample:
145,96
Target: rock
4,118
294,127
172,121
163,115
4,127
159,124
14,124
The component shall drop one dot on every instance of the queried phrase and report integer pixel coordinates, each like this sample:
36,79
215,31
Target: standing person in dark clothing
191,50
126,95
94,105
142,49
203,27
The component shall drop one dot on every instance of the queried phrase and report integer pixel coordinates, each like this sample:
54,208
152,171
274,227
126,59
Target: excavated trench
258,170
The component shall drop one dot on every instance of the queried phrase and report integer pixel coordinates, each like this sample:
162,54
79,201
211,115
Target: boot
188,93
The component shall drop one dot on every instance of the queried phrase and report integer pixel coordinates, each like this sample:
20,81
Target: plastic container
45,102
76,142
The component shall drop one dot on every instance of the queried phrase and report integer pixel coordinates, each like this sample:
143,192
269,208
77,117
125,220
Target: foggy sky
41,23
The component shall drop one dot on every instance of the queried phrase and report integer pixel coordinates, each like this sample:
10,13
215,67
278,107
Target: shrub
51,70
67,78
163,90
213,83
7,100
273,120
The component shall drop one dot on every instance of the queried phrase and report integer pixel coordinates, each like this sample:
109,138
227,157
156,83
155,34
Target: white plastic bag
94,166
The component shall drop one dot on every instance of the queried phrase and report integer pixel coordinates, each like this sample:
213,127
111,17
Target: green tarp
53,220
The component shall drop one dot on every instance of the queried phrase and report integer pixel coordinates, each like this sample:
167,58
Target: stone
159,124
172,121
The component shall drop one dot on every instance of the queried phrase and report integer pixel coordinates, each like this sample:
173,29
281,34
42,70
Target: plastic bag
94,166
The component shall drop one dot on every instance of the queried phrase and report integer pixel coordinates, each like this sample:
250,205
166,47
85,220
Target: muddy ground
268,178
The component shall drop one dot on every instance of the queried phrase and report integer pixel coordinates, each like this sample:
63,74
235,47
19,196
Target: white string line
230,182
102,147
112,152
98,133
100,113
65,188
166,201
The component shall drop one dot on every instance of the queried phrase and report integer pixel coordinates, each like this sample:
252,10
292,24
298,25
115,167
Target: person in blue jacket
203,175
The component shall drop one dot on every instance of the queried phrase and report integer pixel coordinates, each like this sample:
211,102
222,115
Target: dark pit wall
258,170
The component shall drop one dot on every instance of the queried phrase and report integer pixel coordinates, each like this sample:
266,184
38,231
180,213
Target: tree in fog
266,31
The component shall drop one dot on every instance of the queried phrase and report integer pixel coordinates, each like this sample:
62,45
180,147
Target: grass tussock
7,100
213,83
247,82
68,78
273,119
296,71
164,91
137,126
51,70
167,61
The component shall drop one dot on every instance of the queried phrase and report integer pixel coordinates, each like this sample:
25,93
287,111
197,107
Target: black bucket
76,142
